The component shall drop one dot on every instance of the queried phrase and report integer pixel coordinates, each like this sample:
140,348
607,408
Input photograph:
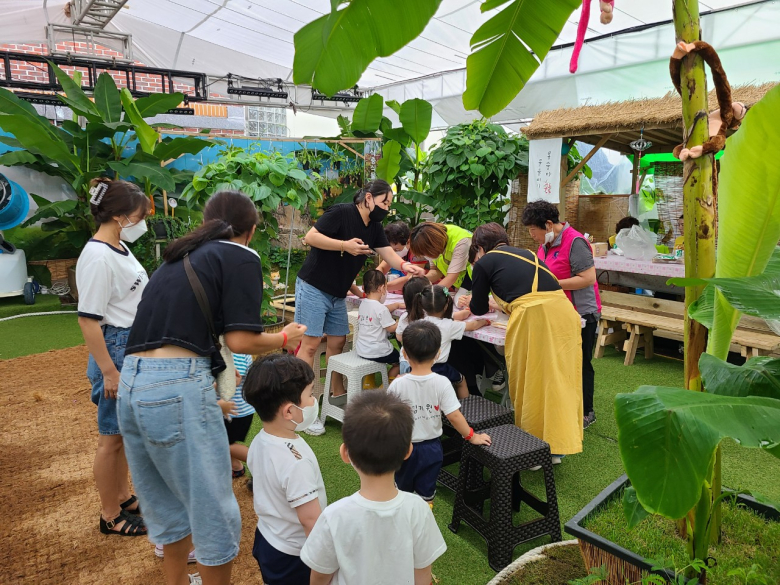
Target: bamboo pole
698,202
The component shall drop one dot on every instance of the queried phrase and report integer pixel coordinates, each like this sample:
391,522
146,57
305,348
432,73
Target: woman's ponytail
227,214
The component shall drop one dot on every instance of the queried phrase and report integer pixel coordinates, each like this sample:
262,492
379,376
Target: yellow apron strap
536,263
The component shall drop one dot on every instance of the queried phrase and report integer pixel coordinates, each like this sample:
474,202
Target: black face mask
378,214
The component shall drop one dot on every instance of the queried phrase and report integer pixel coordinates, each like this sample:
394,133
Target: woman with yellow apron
543,342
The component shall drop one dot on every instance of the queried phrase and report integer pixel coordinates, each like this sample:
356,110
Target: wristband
284,337
487,321
470,435
364,296
342,248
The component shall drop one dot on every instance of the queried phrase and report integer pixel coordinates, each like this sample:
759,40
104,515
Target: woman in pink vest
569,256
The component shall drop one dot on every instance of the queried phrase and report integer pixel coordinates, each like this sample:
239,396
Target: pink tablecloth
622,264
490,334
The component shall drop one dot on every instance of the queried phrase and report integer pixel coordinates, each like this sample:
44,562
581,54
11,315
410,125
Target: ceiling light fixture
264,87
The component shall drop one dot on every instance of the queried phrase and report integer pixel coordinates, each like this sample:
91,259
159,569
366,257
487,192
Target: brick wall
35,72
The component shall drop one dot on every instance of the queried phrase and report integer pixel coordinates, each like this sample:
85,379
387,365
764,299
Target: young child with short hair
375,323
379,535
289,493
429,395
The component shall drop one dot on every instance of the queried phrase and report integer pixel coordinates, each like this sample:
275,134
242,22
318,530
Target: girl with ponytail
175,437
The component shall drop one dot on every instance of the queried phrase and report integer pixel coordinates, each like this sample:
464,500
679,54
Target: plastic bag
636,243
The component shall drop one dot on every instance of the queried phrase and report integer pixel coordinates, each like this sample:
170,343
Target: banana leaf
748,209
759,376
368,114
415,117
388,166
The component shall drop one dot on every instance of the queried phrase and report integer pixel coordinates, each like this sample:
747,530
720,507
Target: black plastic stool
512,451
481,414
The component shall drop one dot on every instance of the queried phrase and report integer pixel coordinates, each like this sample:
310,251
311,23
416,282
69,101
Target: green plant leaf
415,116
501,62
159,176
388,166
632,509
394,105
332,52
748,209
702,308
107,99
17,157
759,376
147,136
174,148
44,143
344,125
76,99
158,103
668,436
368,114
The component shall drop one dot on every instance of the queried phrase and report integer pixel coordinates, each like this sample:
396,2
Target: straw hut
613,125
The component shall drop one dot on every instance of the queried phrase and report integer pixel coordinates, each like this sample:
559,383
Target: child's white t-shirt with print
372,340
286,475
381,543
403,323
450,329
429,396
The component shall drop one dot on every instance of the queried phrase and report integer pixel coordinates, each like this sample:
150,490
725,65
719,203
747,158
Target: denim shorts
323,314
177,449
116,341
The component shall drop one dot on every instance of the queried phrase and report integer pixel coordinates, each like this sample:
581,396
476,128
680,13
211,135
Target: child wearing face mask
289,494
375,323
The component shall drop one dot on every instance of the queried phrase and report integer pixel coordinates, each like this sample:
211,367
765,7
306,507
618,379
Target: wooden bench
634,320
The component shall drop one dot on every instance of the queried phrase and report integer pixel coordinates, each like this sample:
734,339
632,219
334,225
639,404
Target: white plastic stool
319,386
354,368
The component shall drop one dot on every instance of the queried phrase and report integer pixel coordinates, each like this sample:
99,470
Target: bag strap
202,298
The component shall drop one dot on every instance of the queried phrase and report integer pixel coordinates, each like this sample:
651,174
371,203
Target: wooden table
614,269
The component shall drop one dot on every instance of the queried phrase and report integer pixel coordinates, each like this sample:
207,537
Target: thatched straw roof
662,117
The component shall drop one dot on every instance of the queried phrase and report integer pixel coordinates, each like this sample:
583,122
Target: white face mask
403,252
130,233
549,237
310,414
383,298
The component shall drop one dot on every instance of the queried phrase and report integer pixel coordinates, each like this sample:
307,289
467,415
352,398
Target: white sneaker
158,551
316,428
195,579
556,459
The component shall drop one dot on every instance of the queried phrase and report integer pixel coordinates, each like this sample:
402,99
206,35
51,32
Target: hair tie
97,193
446,291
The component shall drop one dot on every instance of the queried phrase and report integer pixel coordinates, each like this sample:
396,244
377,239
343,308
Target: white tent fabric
254,38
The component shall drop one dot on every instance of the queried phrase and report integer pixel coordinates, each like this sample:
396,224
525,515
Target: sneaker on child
316,428
499,381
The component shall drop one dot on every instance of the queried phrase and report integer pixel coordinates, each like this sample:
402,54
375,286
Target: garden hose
39,314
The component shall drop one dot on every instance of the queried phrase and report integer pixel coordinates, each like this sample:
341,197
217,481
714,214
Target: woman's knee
110,444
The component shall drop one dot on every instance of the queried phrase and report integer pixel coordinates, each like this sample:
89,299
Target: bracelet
284,336
342,248
470,435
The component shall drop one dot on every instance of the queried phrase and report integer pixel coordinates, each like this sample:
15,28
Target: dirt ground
48,436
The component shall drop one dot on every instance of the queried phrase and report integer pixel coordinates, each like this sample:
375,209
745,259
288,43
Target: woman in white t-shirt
375,323
110,282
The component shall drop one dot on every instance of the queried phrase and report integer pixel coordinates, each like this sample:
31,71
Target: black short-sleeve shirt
508,277
169,314
328,270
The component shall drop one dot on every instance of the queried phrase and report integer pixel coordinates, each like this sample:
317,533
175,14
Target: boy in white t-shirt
289,493
376,323
379,535
429,394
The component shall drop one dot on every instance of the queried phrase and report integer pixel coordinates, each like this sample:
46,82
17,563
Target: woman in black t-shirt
174,437
340,241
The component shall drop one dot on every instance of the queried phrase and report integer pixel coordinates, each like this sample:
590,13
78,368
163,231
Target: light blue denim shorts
178,452
116,341
320,312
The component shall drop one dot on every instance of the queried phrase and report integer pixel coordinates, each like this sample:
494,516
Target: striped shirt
242,362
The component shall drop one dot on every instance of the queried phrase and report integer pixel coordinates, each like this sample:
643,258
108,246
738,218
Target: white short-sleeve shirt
429,397
450,329
286,475
381,543
373,318
110,282
403,323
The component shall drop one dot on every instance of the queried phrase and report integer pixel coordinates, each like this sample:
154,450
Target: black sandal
133,525
132,500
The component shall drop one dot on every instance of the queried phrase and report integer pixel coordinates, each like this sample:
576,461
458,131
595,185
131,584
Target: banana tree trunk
699,215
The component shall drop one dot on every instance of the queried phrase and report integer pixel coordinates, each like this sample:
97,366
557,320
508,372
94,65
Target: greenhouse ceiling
254,38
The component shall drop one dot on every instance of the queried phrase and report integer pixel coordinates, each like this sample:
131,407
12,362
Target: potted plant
669,437
270,180
310,160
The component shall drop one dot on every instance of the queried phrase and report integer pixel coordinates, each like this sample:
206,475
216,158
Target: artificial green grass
30,335
11,306
578,480
748,539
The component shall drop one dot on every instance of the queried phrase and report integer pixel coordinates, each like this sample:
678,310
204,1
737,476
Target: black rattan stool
512,451
481,414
